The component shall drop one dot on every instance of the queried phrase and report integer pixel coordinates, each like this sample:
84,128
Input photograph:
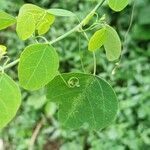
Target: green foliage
6,20
118,5
112,44
61,12
108,37
32,18
10,99
97,40
38,65
83,99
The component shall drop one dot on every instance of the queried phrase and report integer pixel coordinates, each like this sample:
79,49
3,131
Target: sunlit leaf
97,40
38,65
34,16
10,99
25,26
83,99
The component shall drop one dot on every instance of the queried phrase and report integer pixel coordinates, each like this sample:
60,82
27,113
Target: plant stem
94,59
75,29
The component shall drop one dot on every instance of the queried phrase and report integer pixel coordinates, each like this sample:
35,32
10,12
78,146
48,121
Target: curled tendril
73,82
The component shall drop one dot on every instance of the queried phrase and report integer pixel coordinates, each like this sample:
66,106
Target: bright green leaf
46,21
83,99
35,17
38,65
97,40
6,20
25,26
118,5
61,12
10,99
112,44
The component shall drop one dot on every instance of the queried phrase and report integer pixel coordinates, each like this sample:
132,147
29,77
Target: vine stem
75,29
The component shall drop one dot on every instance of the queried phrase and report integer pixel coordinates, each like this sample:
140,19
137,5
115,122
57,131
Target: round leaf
97,40
112,44
10,99
118,5
38,65
83,99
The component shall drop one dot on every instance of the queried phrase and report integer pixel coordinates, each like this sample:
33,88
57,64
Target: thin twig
35,134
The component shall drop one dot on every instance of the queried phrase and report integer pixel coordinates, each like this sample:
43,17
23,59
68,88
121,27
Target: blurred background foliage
131,81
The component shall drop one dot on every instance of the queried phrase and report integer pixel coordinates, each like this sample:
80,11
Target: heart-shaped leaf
83,99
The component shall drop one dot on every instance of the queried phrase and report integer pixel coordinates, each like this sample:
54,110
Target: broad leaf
97,40
83,99
118,5
61,12
112,44
10,99
6,20
38,65
39,19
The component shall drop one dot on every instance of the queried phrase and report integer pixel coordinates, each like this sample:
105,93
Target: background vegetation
131,81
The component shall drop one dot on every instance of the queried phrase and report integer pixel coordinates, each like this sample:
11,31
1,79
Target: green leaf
83,99
45,23
118,5
97,40
10,99
38,65
6,20
31,18
112,44
25,26
61,12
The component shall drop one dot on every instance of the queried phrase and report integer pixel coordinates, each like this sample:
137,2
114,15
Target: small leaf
38,65
61,12
118,5
87,99
10,99
6,20
25,26
97,40
112,44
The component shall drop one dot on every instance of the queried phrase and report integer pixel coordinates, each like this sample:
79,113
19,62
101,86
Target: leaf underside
10,99
88,100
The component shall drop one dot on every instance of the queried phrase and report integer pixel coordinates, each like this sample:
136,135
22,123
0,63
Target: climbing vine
83,99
